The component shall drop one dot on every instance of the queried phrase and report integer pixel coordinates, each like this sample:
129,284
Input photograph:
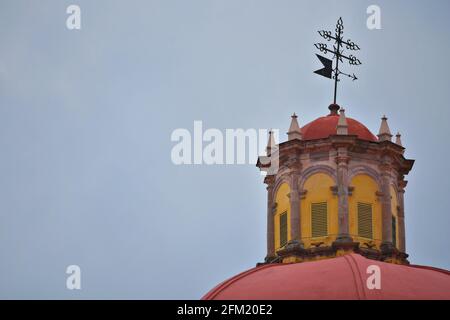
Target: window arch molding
279,182
316,169
361,169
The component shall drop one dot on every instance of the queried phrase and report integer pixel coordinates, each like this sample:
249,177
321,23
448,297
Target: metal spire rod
338,51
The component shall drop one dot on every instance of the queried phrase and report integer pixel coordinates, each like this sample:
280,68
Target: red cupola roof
343,277
323,127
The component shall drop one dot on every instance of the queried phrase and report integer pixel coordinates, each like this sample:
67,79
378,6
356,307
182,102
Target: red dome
336,278
323,127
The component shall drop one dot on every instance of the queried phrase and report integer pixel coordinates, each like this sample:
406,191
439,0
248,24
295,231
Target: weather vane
337,52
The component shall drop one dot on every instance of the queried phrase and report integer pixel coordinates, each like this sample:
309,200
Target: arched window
282,216
318,212
365,210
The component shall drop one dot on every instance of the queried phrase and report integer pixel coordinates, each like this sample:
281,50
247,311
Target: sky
86,118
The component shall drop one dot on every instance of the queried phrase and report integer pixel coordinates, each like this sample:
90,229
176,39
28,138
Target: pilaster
386,214
270,181
401,216
342,160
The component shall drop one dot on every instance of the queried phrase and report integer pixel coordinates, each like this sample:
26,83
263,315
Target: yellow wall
394,204
365,189
318,189
283,205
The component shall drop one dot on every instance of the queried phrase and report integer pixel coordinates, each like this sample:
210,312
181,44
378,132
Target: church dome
325,126
343,277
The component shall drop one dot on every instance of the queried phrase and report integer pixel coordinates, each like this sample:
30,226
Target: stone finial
398,139
270,143
294,130
342,127
384,134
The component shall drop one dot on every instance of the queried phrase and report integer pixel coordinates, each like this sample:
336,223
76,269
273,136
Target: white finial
294,129
398,139
384,133
342,127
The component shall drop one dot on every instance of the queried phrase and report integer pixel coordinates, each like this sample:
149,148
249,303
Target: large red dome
336,278
323,127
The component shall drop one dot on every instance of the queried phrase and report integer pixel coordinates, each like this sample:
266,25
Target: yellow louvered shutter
394,231
319,219
365,220
283,229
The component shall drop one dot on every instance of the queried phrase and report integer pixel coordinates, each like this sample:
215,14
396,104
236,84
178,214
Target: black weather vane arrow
338,55
349,75
327,70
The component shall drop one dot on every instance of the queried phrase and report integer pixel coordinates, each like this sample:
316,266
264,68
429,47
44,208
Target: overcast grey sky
86,118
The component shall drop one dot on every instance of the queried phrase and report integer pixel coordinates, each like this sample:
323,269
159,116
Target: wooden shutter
319,219
283,229
365,220
394,231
